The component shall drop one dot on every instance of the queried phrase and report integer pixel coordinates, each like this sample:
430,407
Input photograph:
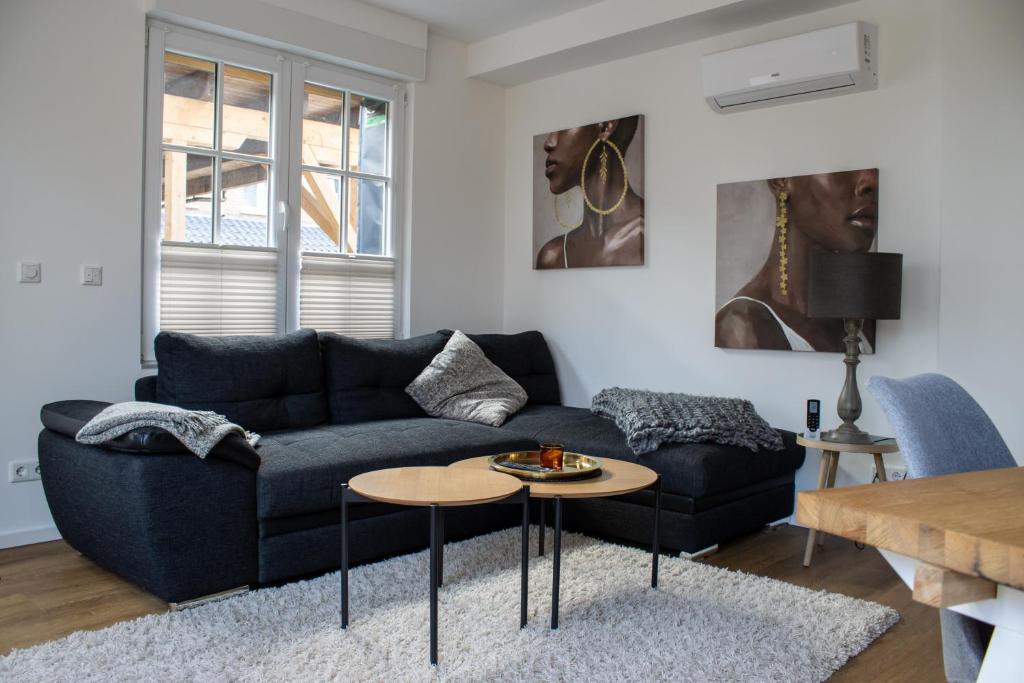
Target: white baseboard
12,539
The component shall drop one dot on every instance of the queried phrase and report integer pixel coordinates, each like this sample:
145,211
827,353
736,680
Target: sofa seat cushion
302,470
692,469
260,382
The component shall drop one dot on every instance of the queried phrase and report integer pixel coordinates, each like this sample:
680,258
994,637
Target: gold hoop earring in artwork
782,223
559,218
604,169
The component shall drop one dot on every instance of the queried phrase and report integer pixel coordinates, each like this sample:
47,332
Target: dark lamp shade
855,285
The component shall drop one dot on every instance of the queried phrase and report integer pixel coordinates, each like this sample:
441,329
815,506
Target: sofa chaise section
711,493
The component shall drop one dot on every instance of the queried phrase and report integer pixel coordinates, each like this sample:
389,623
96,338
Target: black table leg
344,556
557,562
656,543
435,517
543,523
440,547
524,568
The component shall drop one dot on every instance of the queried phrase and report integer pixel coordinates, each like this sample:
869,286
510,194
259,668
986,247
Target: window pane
368,135
366,216
321,126
244,203
190,87
246,116
186,198
320,216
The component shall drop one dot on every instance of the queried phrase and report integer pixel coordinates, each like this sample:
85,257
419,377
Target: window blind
218,290
350,295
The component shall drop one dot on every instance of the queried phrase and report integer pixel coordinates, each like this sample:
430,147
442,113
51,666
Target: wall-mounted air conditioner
831,61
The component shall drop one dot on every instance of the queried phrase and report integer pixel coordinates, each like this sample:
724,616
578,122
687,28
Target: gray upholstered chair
942,430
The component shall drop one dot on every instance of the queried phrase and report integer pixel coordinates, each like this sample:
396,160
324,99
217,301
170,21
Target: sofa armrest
68,417
176,525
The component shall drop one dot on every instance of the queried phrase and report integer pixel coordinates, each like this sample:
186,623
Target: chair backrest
939,427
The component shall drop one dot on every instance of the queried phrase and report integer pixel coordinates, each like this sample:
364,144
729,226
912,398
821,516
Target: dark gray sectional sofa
328,408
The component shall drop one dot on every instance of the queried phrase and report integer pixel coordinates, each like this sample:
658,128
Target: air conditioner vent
785,91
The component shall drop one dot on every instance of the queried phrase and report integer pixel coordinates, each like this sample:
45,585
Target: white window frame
290,73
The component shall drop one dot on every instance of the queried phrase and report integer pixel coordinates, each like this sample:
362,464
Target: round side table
618,477
435,488
830,451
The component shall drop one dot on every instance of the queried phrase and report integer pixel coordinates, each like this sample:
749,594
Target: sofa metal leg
204,599
777,524
699,554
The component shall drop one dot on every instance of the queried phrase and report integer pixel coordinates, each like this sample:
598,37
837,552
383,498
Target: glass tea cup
551,455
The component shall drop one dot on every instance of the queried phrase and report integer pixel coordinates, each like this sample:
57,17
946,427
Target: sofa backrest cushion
526,358
366,378
261,382
145,388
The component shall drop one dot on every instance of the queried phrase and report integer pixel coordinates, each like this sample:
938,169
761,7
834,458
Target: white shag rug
703,623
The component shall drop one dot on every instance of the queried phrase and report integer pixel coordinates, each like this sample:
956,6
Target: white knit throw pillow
462,384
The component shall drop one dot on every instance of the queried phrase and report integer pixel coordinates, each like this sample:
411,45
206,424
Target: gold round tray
574,466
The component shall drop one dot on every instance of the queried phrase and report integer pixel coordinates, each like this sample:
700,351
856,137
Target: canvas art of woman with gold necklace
589,196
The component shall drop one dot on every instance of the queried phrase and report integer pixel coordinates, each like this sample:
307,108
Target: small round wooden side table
618,477
830,451
435,488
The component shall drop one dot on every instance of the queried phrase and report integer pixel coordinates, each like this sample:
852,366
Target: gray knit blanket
650,418
197,430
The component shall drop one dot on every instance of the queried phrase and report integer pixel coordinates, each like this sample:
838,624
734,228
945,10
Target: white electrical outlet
896,472
23,470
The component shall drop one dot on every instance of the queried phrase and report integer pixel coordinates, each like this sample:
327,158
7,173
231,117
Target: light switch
31,272
92,275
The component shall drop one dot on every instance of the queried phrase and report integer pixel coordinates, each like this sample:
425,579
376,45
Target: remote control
526,467
813,417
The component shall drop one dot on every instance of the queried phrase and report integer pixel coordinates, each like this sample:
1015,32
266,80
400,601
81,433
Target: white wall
653,326
981,326
71,74
457,194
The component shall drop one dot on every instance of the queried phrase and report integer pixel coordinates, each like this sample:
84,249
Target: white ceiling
472,20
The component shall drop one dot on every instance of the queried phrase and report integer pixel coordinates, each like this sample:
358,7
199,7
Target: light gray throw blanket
650,418
197,430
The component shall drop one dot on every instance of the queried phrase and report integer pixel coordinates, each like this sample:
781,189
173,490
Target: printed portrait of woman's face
588,205
766,232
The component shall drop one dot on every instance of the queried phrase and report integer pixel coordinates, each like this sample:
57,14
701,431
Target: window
270,192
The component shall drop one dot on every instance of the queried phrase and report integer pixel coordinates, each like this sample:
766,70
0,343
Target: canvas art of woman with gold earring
593,190
832,211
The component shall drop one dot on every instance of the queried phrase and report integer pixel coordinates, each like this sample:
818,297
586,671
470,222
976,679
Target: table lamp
854,287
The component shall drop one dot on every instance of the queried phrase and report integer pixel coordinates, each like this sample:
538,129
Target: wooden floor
48,590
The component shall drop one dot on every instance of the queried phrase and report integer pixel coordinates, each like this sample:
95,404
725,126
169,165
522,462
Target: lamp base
847,434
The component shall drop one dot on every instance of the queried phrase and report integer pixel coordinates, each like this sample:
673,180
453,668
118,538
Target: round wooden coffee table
618,477
436,488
